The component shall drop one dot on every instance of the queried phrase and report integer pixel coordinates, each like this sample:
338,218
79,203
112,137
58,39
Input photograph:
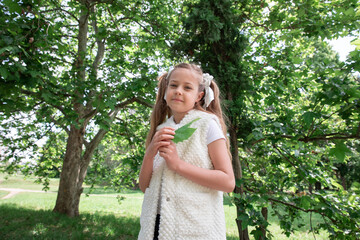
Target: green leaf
350,12
355,186
7,48
184,132
336,184
297,60
339,151
305,202
13,6
227,200
352,198
356,42
308,118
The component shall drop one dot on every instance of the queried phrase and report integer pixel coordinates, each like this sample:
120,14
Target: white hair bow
167,77
209,93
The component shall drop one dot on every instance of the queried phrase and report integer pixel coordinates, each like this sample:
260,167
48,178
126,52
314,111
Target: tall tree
212,39
73,66
280,82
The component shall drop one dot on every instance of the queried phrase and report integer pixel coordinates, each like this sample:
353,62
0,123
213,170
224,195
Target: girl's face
182,92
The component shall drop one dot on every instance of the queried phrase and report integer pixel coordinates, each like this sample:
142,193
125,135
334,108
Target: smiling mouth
177,100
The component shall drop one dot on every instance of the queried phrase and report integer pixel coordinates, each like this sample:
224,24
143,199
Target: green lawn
30,216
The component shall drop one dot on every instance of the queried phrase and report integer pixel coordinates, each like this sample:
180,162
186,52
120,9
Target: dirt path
14,191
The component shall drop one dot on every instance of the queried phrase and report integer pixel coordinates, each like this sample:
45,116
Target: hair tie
209,93
169,72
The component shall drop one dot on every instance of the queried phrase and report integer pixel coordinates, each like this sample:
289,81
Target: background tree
290,103
212,39
73,66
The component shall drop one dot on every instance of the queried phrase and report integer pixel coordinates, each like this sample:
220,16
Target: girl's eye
188,88
173,85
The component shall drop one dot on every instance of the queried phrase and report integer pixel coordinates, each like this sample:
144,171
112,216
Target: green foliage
183,133
74,68
293,105
117,160
55,82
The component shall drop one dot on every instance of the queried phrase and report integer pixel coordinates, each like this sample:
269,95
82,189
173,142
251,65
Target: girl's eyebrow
175,80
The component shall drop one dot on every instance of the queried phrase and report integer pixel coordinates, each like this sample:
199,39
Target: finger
163,149
163,137
161,144
163,155
167,130
164,134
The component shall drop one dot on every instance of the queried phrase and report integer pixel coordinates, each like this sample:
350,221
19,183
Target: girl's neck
178,117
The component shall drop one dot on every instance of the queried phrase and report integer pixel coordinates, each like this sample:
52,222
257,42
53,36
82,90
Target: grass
30,216
3,194
27,223
19,181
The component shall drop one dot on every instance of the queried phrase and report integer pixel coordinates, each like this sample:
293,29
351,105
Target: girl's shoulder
201,114
206,117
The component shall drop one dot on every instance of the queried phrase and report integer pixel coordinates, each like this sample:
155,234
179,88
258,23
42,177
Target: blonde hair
161,109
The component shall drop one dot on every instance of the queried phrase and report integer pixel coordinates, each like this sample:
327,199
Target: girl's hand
162,138
169,153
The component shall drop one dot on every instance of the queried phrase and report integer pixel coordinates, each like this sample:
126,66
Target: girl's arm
220,178
161,139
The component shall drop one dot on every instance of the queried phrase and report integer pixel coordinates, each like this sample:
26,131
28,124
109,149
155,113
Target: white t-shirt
214,132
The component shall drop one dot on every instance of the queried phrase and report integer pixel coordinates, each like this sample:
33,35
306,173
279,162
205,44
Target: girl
183,182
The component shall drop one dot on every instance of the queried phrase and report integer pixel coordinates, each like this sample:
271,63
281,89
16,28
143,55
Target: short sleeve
214,132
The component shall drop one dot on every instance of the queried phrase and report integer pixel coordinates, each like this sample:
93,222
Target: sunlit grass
3,194
102,215
25,223
19,181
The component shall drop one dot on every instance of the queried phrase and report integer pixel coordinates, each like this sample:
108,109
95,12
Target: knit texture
188,211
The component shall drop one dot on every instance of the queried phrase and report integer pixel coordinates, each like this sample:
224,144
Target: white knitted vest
188,211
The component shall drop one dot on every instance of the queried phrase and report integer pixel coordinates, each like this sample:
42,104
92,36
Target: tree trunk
310,188
72,174
243,234
264,212
70,188
343,182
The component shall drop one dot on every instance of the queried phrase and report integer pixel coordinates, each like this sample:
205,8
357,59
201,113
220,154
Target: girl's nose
178,91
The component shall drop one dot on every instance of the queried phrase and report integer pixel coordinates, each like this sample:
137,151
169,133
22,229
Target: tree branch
100,44
146,104
290,204
134,99
325,137
27,92
60,125
62,10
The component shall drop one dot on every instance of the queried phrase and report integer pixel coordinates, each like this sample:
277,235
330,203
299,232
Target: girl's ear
200,95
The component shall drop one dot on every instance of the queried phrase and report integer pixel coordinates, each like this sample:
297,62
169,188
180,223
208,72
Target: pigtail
215,108
160,110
